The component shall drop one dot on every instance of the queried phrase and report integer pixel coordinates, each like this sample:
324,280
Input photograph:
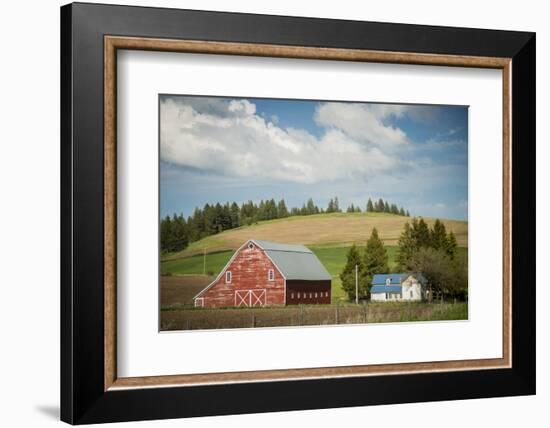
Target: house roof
385,289
396,278
294,261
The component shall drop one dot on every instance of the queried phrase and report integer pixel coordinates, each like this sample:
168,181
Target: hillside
337,229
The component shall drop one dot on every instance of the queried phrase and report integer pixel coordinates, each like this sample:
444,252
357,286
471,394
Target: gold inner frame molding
113,43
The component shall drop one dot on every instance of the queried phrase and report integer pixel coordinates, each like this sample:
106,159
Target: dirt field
201,319
177,291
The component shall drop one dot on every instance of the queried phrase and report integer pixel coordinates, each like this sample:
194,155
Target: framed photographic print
272,213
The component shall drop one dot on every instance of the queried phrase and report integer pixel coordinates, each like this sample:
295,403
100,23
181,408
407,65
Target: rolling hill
336,229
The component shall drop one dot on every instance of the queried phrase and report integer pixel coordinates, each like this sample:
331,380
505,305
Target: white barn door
250,298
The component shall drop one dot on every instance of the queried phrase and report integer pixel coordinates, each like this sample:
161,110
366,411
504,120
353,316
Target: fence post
365,310
301,314
188,326
337,315
253,320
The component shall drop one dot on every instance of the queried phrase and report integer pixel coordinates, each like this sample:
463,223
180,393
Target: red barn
263,273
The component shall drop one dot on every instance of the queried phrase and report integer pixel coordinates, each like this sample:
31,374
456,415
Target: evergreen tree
310,207
235,215
394,209
375,259
407,246
336,205
408,214
370,206
451,245
348,274
421,233
380,206
282,211
438,236
387,207
402,212
351,209
330,207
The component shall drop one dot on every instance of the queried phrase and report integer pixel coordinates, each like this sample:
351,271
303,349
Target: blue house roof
385,289
395,278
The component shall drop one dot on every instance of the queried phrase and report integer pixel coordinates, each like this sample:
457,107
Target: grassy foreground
204,319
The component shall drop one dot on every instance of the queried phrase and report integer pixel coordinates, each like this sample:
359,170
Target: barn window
315,295
310,295
270,275
251,246
292,295
298,295
228,276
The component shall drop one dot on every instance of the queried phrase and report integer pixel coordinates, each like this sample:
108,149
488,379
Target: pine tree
336,205
375,259
282,210
408,214
235,214
310,206
348,274
330,207
407,246
380,206
421,233
387,207
370,206
438,236
451,245
402,212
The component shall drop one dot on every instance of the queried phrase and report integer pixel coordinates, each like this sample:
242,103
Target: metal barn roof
295,261
385,289
395,278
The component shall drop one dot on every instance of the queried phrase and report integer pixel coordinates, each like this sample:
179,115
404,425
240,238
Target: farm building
263,273
398,287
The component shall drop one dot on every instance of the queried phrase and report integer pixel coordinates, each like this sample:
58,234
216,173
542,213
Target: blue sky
217,149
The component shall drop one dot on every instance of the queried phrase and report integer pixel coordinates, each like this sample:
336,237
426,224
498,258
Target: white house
398,287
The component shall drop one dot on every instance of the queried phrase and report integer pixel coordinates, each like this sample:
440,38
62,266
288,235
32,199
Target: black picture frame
83,398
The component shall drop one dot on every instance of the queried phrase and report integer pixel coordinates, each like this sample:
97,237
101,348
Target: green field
332,257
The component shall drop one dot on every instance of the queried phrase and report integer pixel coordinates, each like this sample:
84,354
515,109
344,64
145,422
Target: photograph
287,212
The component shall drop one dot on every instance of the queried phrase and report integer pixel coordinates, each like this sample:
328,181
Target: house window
228,277
270,275
411,294
387,296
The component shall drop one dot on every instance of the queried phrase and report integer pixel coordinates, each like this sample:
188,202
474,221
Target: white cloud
227,137
364,122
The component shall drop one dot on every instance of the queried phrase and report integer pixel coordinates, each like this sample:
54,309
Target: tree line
421,249
177,232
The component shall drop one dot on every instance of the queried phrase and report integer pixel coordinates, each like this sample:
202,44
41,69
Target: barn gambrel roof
294,261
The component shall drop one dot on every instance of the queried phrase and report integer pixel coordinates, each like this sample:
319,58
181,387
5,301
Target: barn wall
249,270
307,289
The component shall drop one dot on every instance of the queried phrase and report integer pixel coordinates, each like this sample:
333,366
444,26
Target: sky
215,149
